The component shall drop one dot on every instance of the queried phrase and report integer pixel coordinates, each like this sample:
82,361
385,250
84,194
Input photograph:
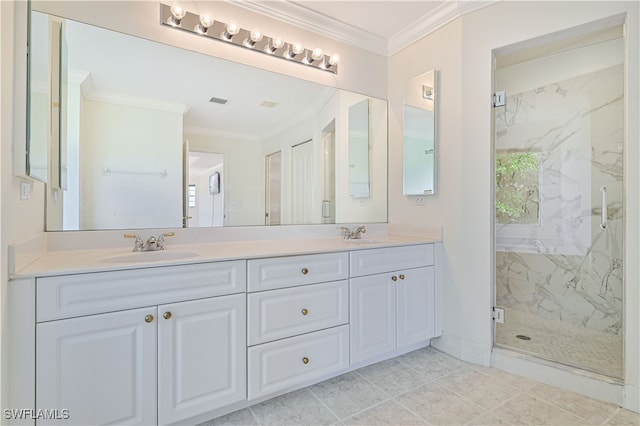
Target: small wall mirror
418,140
359,149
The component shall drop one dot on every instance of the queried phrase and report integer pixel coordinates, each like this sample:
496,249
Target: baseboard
463,349
631,400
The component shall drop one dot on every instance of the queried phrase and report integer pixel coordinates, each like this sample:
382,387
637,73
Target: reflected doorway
205,190
273,190
301,182
329,178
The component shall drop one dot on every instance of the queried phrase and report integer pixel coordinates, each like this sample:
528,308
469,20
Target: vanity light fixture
176,16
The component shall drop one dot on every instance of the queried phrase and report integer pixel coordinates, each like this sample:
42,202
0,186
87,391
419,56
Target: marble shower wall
567,267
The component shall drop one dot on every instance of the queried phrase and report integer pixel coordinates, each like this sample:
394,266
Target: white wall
461,52
133,192
243,177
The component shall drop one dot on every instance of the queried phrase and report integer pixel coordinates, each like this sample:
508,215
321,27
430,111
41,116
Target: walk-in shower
559,149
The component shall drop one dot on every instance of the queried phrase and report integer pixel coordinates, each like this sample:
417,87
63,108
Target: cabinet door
415,290
201,356
372,316
101,368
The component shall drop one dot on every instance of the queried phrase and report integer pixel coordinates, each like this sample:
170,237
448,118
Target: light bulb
178,11
256,36
230,30
297,48
334,59
233,28
317,54
277,42
205,22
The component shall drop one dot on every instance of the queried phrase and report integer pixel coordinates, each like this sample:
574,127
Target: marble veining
567,267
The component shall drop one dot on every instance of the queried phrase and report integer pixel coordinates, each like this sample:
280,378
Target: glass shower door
559,143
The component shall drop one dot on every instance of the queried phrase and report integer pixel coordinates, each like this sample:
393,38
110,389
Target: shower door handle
603,220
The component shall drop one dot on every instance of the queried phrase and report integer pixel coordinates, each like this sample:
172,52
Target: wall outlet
498,315
419,201
25,190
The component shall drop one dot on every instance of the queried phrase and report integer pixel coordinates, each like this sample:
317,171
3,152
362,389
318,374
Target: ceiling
380,26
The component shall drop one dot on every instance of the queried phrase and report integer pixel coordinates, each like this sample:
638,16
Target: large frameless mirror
149,127
419,135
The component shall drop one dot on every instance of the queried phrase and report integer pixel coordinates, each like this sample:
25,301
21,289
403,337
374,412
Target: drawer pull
148,318
305,271
166,315
305,311
394,278
305,360
402,276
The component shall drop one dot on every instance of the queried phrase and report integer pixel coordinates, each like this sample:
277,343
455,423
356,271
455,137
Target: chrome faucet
356,234
152,243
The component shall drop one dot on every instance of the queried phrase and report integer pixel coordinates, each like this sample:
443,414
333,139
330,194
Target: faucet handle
160,240
138,245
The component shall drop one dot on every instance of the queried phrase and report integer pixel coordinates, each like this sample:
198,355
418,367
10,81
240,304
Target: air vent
268,104
220,101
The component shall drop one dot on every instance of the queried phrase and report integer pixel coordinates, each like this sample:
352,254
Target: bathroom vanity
202,331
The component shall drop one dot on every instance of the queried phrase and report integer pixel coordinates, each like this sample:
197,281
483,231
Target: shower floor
562,342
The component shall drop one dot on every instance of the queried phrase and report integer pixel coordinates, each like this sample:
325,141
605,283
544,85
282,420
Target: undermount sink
149,256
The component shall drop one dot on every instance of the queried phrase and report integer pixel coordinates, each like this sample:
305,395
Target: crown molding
299,15
305,18
434,20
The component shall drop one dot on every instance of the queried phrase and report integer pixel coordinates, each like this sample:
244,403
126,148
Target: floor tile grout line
488,410
254,415
410,410
324,404
608,419
544,400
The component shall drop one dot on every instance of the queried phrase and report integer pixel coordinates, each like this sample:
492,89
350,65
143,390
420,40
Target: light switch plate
25,190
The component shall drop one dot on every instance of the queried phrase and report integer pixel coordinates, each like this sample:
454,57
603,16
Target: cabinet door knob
402,276
148,318
305,271
166,315
305,360
305,311
394,278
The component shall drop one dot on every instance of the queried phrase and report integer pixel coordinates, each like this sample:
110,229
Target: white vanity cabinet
392,300
298,314
156,364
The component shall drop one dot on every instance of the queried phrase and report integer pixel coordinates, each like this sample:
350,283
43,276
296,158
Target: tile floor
427,387
561,341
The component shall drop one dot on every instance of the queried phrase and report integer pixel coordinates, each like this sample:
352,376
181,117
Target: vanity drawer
388,259
297,360
281,272
85,294
288,312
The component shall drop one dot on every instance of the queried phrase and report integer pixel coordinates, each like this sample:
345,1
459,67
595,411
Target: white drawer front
85,294
388,259
281,272
287,312
280,365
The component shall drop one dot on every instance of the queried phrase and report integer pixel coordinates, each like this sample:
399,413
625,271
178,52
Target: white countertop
64,262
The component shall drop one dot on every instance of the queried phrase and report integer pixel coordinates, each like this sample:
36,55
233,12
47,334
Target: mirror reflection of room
121,154
419,136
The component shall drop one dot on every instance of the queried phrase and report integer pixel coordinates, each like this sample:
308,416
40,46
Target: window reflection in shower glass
517,187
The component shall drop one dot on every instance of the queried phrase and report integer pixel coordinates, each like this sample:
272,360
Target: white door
101,368
201,356
416,309
329,178
302,182
273,198
372,316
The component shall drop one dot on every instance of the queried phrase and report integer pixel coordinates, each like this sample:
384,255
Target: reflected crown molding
83,79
